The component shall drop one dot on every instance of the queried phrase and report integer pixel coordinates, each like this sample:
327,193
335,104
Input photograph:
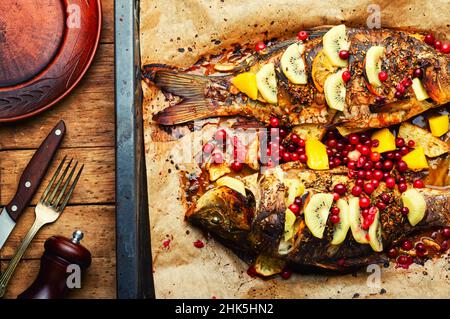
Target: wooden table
89,116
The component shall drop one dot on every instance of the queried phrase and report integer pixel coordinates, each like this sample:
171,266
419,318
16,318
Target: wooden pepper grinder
60,252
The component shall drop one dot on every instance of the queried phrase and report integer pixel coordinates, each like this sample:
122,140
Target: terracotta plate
45,49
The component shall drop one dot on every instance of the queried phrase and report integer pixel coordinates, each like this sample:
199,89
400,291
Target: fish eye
216,219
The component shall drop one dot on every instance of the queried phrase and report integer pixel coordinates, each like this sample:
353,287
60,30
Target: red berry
303,158
365,150
351,165
375,183
381,206
286,156
295,138
382,76
294,208
295,157
356,190
375,143
344,54
417,73
445,48
388,165
429,39
301,142
399,141
346,76
400,88
335,210
375,156
369,188
208,148
402,187
378,165
340,188
336,196
404,211
220,135
359,182
398,95
353,138
377,175
364,202
302,35
283,133
411,143
385,198
368,175
286,274
407,245
337,162
401,180
446,232
236,166
251,271
298,201
402,166
274,122
390,182
331,143
393,252
334,219
397,155
199,244
418,183
260,46
421,250
438,45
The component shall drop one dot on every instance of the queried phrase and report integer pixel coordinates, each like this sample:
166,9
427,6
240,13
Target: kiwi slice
335,91
341,228
289,222
373,64
267,83
416,204
359,234
292,64
334,41
375,239
316,213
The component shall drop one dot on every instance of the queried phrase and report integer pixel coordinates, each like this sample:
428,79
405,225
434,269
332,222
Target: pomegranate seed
445,48
407,245
260,46
351,174
301,150
334,219
385,198
340,188
344,54
411,143
346,76
286,274
294,208
404,211
274,122
418,183
302,35
402,166
251,271
220,135
303,158
208,148
381,206
446,232
403,259
361,161
336,196
359,182
365,224
407,82
382,76
375,143
393,252
199,244
375,156
365,213
369,188
438,45
429,39
353,138
295,157
397,156
236,166
402,187
390,155
417,73
340,146
368,166
364,202
388,165
335,210
356,190
390,182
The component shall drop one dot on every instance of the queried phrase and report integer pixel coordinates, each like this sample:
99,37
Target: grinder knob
52,280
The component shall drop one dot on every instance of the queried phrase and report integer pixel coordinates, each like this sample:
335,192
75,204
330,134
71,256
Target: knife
30,180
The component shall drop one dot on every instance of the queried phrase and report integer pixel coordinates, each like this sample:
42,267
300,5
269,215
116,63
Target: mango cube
416,159
386,141
438,125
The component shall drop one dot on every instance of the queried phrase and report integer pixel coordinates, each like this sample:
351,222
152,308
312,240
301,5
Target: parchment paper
178,32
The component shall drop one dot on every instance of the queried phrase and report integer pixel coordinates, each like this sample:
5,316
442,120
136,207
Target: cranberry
429,39
217,158
404,150
295,157
418,183
387,165
380,99
393,252
336,196
385,198
445,48
344,54
294,208
236,166
444,245
208,148
351,165
303,158
407,82
375,183
402,187
397,156
381,206
369,188
274,122
334,219
401,179
438,45
402,166
404,211
298,201
421,250
332,143
378,165
390,182
399,141
283,133
199,244
346,76
260,46
375,156
302,35
357,190
382,76
417,73
351,174
375,143
335,210
251,271
400,88
353,138
301,142
407,245
446,232
398,95
286,156
340,188
286,274
364,202
377,175
340,146
365,150
220,135
359,182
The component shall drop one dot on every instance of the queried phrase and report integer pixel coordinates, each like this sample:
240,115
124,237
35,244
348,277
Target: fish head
224,212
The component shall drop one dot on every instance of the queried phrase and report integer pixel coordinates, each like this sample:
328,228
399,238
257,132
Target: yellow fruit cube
246,83
386,141
317,154
416,159
438,125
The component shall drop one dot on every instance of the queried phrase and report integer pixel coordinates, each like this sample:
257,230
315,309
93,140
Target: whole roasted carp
384,77
256,222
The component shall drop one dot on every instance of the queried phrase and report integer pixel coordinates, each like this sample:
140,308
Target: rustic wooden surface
89,115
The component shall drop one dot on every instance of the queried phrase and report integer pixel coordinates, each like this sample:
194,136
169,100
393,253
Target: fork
49,208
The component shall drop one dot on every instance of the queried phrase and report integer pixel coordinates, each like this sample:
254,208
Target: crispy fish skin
204,97
262,231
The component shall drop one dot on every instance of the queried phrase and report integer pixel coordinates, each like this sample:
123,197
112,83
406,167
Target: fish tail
194,91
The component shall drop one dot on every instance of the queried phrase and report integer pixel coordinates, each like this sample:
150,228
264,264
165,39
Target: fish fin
183,85
185,111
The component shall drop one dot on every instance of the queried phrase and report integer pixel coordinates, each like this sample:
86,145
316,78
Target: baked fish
350,77
255,220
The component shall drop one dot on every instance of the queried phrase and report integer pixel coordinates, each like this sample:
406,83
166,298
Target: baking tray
134,269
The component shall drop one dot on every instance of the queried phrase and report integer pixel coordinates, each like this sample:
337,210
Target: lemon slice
246,83
321,70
